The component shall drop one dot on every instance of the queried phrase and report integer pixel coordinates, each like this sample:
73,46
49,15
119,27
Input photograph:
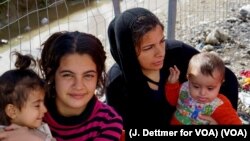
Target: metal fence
25,24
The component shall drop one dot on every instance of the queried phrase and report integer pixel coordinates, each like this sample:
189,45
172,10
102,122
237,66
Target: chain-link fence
25,24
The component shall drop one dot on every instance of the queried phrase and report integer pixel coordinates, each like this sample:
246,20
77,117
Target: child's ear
11,111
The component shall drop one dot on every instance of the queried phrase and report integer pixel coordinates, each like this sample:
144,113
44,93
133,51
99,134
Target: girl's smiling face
75,83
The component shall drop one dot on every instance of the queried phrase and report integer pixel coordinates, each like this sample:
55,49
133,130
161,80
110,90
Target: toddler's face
204,88
32,113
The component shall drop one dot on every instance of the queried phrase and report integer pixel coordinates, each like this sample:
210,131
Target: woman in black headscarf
143,57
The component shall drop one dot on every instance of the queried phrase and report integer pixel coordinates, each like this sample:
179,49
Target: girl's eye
66,75
89,76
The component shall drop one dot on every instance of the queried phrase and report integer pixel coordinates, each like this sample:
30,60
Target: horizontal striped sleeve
111,129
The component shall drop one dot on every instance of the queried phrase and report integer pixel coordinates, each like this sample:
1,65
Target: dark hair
16,85
63,43
143,24
207,62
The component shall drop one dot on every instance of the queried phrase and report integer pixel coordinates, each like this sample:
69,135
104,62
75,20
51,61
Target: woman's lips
158,63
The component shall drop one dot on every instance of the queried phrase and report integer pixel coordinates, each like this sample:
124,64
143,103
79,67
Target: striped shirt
98,122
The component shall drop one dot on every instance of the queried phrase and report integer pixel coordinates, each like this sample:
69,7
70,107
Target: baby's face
204,88
32,113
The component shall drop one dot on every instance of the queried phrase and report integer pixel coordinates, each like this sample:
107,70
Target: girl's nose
79,84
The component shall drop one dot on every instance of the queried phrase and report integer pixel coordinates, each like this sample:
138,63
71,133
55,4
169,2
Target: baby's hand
173,75
209,119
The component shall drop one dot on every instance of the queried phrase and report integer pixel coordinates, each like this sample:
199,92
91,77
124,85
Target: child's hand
173,75
210,120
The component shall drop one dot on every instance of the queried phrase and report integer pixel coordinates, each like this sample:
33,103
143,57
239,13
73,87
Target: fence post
116,5
171,19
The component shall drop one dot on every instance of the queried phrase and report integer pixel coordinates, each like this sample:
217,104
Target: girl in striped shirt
73,66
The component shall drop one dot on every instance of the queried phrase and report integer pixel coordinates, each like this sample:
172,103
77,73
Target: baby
200,94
